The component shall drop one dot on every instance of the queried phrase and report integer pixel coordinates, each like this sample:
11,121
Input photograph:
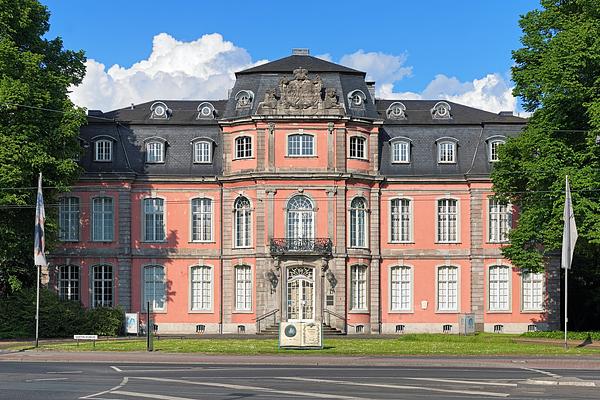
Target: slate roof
290,63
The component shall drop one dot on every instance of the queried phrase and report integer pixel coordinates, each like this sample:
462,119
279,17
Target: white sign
85,337
131,323
301,335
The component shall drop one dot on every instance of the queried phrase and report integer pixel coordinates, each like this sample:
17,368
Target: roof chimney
300,52
371,87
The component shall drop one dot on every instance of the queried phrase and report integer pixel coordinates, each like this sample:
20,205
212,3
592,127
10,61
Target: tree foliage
39,126
557,76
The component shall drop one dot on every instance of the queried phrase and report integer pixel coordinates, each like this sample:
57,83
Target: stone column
270,211
124,262
260,150
330,147
331,213
340,150
477,260
271,150
375,275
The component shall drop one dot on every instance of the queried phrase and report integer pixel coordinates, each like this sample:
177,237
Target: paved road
129,381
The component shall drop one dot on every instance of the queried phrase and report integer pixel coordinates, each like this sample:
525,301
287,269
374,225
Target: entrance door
300,294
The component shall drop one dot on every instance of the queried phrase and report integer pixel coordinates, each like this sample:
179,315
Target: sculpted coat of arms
300,96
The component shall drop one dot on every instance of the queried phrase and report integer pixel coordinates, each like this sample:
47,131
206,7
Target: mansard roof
290,63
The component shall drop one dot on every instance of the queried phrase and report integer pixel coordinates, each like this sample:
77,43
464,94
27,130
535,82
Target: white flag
39,241
569,230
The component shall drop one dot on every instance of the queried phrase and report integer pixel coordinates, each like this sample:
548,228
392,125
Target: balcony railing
317,246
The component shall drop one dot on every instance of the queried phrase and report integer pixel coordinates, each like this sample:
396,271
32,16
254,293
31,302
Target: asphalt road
103,381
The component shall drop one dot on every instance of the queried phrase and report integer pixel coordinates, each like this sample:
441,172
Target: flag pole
39,250
567,241
37,308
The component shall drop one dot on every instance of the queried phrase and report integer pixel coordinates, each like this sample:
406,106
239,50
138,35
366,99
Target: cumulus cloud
380,67
200,69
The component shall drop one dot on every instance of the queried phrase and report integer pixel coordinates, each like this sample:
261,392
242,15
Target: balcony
307,247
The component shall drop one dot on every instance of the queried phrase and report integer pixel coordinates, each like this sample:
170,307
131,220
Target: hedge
58,318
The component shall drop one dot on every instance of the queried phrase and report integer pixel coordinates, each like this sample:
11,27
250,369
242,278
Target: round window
442,111
159,111
244,100
397,111
206,111
356,99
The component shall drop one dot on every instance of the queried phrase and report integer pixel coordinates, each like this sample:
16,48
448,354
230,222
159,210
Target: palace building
299,197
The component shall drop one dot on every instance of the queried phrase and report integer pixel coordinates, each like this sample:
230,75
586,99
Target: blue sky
466,40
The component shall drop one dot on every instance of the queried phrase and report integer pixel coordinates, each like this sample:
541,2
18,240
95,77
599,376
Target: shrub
105,321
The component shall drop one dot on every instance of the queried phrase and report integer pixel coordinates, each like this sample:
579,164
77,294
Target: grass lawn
409,344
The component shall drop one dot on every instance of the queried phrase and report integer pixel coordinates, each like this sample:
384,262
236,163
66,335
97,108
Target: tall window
102,286
201,288
446,152
447,220
499,288
154,287
358,223
202,152
447,281
201,220
400,214
102,219
68,282
358,287
533,291
400,152
155,152
68,219
242,222
243,288
500,221
154,220
357,147
300,223
401,296
103,150
494,145
301,145
243,147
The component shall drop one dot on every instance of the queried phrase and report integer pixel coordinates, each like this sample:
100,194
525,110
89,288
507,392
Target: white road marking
252,388
119,386
46,379
160,370
486,383
539,371
472,392
116,368
149,395
65,372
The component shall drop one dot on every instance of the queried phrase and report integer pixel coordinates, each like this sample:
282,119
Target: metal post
149,329
37,309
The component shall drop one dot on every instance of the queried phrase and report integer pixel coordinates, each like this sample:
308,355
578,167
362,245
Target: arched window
201,220
160,110
499,288
446,152
243,147
155,152
201,288
103,150
357,98
396,111
358,222
401,151
301,145
441,110
203,152
493,149
102,286
401,288
154,287
300,223
447,288
242,222
68,282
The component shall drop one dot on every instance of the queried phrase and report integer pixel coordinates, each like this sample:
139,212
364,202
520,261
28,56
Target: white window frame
446,152
205,288
68,282
68,219
107,290
158,288
201,210
103,219
158,235
305,146
155,152
359,219
401,288
242,224
103,149
359,284
401,220
493,149
447,288
243,287
499,221
499,288
445,230
357,145
242,147
397,150
528,283
202,152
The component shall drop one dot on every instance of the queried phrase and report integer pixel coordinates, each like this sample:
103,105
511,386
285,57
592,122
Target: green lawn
410,344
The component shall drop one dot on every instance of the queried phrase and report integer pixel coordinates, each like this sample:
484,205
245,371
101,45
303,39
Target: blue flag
39,242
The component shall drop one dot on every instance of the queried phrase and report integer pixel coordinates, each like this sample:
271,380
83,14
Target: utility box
466,324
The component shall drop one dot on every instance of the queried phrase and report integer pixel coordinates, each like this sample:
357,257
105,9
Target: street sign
85,337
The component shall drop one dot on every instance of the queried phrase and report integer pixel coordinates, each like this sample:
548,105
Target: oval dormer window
441,110
356,99
159,110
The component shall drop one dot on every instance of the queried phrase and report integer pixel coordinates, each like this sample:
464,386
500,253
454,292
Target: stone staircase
328,331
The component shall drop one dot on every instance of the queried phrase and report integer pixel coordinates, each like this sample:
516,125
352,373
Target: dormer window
103,150
206,111
244,99
160,111
203,152
493,146
357,147
155,152
396,111
400,150
446,150
441,110
356,98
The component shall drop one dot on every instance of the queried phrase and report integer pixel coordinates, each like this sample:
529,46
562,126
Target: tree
557,76
39,127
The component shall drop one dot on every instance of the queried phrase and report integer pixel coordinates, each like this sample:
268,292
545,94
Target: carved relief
300,96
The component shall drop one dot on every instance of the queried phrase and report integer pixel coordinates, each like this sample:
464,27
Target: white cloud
380,67
200,69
